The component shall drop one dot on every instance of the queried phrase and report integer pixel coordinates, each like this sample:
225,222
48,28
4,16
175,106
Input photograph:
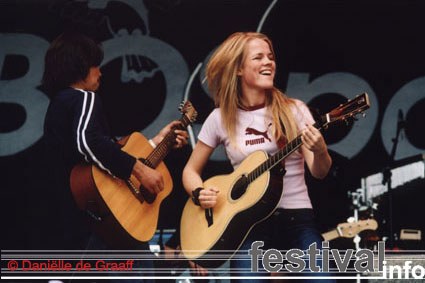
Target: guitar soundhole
239,188
147,196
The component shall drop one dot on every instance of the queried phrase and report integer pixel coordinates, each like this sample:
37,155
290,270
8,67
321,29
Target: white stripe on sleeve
83,133
83,111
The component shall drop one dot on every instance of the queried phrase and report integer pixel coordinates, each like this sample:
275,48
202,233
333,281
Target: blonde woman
248,117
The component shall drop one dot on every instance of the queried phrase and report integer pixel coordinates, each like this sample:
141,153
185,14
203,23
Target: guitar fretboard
164,147
277,157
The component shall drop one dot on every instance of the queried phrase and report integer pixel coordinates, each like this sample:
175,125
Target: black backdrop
327,51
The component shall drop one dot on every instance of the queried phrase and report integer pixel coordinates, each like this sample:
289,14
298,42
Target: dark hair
68,60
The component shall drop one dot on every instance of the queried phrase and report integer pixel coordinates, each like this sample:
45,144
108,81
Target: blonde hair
223,81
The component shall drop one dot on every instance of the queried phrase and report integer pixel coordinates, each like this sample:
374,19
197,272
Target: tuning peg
351,219
364,115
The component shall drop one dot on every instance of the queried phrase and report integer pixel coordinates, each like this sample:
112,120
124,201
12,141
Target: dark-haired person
76,129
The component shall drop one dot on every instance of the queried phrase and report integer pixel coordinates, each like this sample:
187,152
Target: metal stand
387,178
357,199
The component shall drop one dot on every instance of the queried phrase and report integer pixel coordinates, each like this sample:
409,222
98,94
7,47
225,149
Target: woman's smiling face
258,67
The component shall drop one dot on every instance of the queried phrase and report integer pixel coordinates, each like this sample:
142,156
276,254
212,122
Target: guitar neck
351,229
165,146
275,159
341,113
328,236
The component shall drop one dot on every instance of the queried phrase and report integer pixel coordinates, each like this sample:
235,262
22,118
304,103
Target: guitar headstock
347,110
349,230
189,112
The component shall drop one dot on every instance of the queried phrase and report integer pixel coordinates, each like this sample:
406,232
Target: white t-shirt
254,132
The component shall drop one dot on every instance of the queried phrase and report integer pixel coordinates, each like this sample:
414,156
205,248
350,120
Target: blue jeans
95,243
77,234
286,229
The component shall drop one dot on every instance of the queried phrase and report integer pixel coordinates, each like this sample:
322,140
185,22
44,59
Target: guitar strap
282,141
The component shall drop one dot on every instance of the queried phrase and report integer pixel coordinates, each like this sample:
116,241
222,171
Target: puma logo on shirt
252,131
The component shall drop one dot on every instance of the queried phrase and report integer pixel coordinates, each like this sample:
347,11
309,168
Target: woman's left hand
313,140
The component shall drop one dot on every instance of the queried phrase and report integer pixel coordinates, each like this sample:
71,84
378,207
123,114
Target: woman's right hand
208,197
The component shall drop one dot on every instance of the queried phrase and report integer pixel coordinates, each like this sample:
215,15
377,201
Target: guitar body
233,218
101,194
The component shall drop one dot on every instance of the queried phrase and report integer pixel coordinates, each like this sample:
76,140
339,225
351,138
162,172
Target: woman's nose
267,61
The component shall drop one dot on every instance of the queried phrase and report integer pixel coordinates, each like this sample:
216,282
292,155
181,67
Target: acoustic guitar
133,207
247,196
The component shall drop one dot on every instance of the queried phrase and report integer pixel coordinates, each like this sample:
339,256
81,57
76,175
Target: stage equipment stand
356,199
386,180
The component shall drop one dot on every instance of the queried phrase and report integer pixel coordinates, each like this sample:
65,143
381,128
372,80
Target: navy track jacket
76,129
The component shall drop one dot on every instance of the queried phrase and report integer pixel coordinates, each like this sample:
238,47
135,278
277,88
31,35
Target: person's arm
97,148
315,152
192,175
92,138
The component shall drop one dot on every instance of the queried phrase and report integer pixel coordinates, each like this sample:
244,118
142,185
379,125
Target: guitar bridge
209,216
134,190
